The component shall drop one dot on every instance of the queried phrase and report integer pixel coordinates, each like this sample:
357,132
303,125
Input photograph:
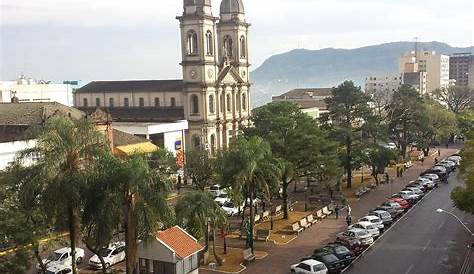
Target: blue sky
139,39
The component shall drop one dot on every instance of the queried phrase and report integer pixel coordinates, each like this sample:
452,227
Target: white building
435,65
29,90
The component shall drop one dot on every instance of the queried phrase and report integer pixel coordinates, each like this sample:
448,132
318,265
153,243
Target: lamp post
439,210
305,199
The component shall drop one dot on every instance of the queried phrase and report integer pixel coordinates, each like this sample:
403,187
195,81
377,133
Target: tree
378,158
295,139
464,197
200,167
406,115
249,165
466,122
66,151
197,212
348,109
457,98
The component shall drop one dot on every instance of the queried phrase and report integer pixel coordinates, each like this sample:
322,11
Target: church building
214,94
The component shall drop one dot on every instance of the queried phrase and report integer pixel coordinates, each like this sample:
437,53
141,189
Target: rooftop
305,93
132,86
141,114
123,139
179,241
29,113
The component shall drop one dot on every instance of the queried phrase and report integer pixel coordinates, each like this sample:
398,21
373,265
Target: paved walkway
281,257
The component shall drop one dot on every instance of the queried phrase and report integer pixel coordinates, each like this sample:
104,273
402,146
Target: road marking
467,264
409,269
426,246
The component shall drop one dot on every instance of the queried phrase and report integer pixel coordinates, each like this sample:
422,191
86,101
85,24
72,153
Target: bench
310,219
296,228
304,224
257,218
320,215
265,215
326,211
263,235
248,255
277,210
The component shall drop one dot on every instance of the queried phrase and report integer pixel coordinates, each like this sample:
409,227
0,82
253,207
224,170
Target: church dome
232,7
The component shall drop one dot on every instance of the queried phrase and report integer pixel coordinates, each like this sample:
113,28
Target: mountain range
303,68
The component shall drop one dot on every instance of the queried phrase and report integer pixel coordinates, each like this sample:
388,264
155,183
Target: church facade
214,94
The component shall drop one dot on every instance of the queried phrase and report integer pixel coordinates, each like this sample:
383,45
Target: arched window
194,101
211,103
157,102
196,141
210,43
126,102
243,47
213,144
244,101
111,102
228,46
141,102
97,102
228,102
192,42
85,103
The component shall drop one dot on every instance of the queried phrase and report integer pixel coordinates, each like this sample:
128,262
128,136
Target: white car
113,254
63,257
416,191
408,195
222,199
372,229
359,234
373,220
55,268
215,190
231,209
455,159
425,182
309,267
391,146
433,177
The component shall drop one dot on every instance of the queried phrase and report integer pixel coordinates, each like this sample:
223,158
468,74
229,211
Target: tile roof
179,241
34,113
122,138
141,114
304,104
305,93
132,86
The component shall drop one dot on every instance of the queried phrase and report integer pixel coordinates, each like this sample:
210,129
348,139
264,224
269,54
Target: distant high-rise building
435,65
459,68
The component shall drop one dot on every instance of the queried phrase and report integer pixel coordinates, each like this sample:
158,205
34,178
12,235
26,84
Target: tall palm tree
65,151
248,166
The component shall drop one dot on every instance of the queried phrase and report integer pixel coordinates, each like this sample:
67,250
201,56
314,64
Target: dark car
331,261
341,252
354,245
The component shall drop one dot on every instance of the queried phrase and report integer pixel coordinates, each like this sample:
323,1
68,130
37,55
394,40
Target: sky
139,39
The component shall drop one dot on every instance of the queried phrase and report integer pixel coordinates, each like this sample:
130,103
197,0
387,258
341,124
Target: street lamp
305,199
439,210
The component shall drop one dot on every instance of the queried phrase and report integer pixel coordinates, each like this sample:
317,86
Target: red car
353,245
403,203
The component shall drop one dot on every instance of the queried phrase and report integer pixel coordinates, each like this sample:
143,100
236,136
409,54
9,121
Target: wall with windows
134,99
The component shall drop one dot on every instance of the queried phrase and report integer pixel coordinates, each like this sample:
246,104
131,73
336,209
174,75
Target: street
423,241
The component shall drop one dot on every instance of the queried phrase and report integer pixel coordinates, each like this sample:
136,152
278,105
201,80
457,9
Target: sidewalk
280,258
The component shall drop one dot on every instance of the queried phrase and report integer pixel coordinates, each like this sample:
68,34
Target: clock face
193,74
210,73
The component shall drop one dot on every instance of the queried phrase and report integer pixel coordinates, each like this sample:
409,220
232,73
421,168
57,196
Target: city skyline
140,40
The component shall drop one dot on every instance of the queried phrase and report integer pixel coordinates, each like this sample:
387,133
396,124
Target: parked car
231,209
358,234
215,190
222,199
386,218
331,261
450,165
439,170
433,177
341,252
403,203
417,184
353,245
407,196
394,208
310,266
63,257
427,183
372,229
455,158
113,254
373,220
416,190
55,268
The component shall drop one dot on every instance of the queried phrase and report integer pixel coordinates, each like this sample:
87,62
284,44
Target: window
228,46
228,102
192,42
173,101
97,102
213,144
194,101
244,101
85,103
141,102
196,141
304,267
111,102
243,47
126,102
157,102
211,103
210,43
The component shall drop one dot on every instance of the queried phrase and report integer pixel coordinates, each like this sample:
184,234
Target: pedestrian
349,220
439,152
436,160
336,210
349,209
401,172
387,178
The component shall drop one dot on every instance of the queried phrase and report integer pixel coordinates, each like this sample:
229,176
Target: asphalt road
423,241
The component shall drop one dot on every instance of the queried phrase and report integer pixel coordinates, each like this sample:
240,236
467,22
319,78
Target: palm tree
197,212
248,166
65,151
